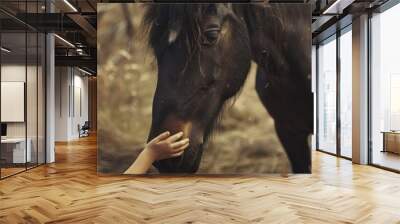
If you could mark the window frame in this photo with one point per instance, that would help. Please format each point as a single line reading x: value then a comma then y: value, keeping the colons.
x: 337, y: 36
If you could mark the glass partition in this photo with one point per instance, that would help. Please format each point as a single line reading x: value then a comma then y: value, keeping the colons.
x: 385, y: 89
x: 327, y: 95
x: 31, y: 100
x: 14, y: 153
x: 346, y: 93
x: 41, y: 91
x: 22, y: 77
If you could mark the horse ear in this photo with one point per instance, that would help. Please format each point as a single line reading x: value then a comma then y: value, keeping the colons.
x: 174, y: 22
x: 173, y: 31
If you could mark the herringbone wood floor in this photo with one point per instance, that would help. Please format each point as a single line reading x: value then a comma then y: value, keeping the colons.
x: 70, y: 191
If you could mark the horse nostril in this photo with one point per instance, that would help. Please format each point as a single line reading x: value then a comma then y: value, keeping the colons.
x: 174, y: 124
x: 196, y: 140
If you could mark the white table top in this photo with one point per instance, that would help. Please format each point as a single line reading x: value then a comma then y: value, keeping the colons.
x: 13, y: 140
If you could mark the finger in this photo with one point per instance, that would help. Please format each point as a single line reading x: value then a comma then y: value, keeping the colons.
x: 175, y: 137
x: 179, y: 143
x: 161, y: 137
x: 176, y: 154
x: 181, y: 148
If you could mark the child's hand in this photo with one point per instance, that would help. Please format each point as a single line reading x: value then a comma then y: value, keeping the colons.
x: 165, y: 146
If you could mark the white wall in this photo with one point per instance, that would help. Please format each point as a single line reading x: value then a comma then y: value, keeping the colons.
x: 71, y: 93
x: 13, y: 101
x: 62, y: 81
x: 15, y: 73
x: 33, y: 127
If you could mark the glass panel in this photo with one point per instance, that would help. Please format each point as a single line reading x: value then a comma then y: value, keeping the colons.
x: 31, y: 100
x: 385, y: 89
x: 327, y: 96
x: 32, y: 90
x: 13, y: 89
x: 23, y: 89
x: 346, y: 94
x: 314, y: 84
x: 41, y: 99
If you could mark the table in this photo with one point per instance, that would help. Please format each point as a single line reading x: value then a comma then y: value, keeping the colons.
x: 391, y: 141
x: 13, y: 150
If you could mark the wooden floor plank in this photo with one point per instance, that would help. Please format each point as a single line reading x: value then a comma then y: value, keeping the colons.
x: 70, y: 191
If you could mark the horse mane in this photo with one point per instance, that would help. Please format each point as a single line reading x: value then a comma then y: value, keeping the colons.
x: 280, y: 18
x: 184, y: 19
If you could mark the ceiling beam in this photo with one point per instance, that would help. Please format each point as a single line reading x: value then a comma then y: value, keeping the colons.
x: 337, y: 7
x: 84, y: 24
x: 49, y: 22
x: 82, y: 61
x: 320, y: 22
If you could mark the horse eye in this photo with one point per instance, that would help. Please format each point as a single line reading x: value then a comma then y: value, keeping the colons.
x: 211, y: 36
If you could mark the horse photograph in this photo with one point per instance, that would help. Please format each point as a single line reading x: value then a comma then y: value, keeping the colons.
x: 204, y: 88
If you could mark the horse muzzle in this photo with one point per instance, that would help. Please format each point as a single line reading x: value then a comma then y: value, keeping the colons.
x: 189, y: 161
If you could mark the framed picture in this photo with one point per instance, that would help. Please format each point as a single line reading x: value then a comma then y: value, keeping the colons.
x: 204, y: 88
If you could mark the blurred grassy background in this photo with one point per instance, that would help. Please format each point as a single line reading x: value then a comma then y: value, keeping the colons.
x: 244, y: 142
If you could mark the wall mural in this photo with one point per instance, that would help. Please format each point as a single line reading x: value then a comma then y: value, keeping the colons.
x: 212, y: 88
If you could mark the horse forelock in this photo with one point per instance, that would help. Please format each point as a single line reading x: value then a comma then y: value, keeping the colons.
x: 166, y: 22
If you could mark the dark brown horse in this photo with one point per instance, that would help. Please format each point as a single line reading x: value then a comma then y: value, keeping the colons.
x: 203, y: 53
